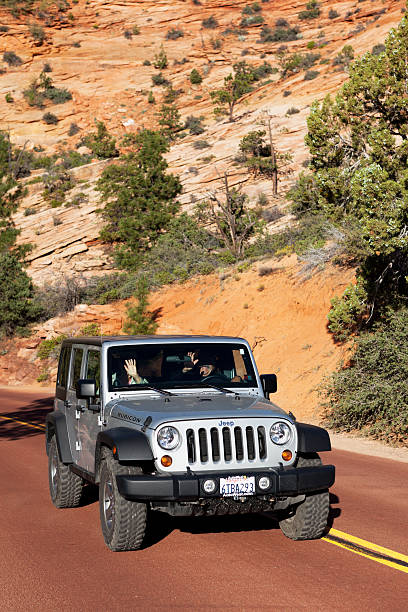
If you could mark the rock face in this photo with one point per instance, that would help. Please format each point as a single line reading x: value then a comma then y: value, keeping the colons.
x: 108, y: 69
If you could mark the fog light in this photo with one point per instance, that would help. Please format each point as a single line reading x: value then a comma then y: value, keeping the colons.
x: 209, y: 486
x: 166, y: 461
x: 264, y: 483
x: 286, y: 455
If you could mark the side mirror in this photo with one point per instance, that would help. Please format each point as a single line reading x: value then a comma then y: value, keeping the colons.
x: 269, y: 384
x: 85, y: 388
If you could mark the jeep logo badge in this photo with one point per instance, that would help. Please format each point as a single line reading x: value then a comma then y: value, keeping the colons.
x: 226, y: 423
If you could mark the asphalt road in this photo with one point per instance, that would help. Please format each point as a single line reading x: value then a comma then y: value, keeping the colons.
x: 57, y: 560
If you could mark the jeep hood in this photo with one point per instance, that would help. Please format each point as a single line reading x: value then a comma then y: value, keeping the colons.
x: 181, y: 408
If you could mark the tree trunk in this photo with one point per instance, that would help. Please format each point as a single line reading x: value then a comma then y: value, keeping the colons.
x: 274, y: 162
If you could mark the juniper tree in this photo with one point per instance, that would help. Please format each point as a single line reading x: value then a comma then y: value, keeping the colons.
x: 235, y: 87
x: 139, y: 196
x: 17, y: 307
x: 358, y: 144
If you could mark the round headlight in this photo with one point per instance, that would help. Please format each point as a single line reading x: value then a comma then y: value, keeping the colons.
x: 168, y: 437
x: 280, y: 433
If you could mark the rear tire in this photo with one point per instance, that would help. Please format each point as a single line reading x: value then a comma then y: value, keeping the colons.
x: 123, y: 522
x: 308, y: 520
x: 65, y: 486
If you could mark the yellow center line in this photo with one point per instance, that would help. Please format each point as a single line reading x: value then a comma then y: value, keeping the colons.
x: 367, y: 549
x: 40, y: 427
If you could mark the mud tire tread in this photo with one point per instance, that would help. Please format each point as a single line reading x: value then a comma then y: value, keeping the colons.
x: 308, y: 520
x: 130, y: 518
x: 68, y: 491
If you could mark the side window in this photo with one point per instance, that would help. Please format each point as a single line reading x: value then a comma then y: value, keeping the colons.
x: 76, y: 367
x: 93, y: 368
x: 63, y: 367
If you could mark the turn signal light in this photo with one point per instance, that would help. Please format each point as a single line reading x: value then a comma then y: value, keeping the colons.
x: 166, y: 461
x: 286, y: 455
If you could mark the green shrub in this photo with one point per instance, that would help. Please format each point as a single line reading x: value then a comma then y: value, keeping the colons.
x: 201, y: 144
x: 279, y: 34
x: 57, y: 95
x: 371, y: 393
x: 312, y: 11
x: 347, y: 312
x: 151, y: 98
x: 50, y: 119
x: 160, y: 59
x: 194, y: 125
x: 38, y: 33
x: 47, y: 67
x: 12, y: 59
x: 73, y: 129
x: 333, y: 14
x: 43, y: 376
x: 50, y: 348
x: 174, y: 34
x: 252, y: 20
x: 195, y: 77
x: 159, y: 79
x: 91, y: 329
x: 311, y: 74
x: 135, y: 30
x: 210, y: 23
x: 9, y: 98
x: 146, y: 62
x: 344, y: 58
x: 292, y: 110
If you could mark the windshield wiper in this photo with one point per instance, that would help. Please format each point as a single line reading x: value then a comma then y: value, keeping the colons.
x: 142, y: 388
x: 222, y: 389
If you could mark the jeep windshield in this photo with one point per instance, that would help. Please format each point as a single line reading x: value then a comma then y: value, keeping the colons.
x: 186, y: 365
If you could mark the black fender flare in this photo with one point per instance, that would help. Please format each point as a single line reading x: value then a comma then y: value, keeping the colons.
x: 312, y: 439
x: 126, y: 445
x: 55, y: 423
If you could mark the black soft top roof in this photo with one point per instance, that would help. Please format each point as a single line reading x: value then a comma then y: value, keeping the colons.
x: 99, y: 340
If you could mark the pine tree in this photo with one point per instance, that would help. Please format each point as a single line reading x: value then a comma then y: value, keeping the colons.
x: 139, y: 196
x: 140, y: 321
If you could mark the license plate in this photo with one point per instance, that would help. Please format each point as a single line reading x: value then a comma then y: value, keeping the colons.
x: 237, y: 485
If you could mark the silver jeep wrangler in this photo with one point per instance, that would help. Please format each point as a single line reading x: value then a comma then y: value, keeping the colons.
x: 184, y: 425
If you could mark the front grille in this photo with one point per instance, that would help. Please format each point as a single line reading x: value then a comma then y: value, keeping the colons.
x: 237, y: 444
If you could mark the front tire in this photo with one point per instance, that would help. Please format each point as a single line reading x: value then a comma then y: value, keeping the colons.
x: 65, y: 486
x: 123, y: 522
x: 308, y: 520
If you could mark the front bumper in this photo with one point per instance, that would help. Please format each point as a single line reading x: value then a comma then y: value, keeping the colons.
x: 189, y: 487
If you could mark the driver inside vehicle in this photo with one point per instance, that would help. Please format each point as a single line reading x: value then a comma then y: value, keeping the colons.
x: 209, y: 372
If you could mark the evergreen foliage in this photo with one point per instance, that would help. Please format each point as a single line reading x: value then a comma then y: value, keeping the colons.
x: 371, y: 393
x: 140, y: 321
x: 17, y: 307
x: 359, y: 156
x: 139, y: 196
x: 195, y: 77
x: 235, y: 87
x: 101, y: 143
